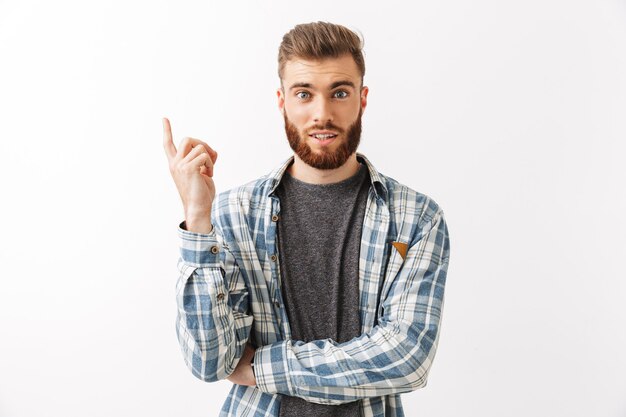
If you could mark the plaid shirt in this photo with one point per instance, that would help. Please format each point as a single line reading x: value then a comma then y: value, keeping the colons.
x: 228, y: 294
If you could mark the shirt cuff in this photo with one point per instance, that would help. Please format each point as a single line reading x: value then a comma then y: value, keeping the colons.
x: 199, y: 249
x: 271, y: 369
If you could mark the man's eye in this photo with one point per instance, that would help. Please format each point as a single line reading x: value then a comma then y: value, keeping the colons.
x: 341, y: 94
x: 302, y: 95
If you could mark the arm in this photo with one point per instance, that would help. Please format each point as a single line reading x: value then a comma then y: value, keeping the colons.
x: 213, y: 321
x: 394, y: 357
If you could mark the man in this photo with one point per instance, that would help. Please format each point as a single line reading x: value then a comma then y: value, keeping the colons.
x: 317, y: 289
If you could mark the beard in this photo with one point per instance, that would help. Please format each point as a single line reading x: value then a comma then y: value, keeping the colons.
x: 325, y: 159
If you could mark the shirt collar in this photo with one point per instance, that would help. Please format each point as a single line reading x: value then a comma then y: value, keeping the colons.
x: 380, y: 189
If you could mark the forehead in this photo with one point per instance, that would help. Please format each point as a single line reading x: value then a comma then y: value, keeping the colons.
x: 321, y: 73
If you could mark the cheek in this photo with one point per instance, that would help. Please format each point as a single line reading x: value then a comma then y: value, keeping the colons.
x: 349, y: 114
x: 297, y: 114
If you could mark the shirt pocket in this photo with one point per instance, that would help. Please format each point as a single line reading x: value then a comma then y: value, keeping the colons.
x: 397, y: 255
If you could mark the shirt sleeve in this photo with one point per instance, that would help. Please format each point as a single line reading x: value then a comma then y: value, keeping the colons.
x: 394, y: 357
x: 213, y: 320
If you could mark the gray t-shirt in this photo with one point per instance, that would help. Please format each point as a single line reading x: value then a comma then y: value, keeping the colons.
x: 319, y: 237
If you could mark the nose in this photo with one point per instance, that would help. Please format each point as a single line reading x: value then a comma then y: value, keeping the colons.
x: 323, y: 111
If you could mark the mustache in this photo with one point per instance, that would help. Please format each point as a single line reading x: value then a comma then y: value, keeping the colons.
x: 326, y: 126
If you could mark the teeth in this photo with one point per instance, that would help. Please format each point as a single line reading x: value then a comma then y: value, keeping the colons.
x: 324, y: 136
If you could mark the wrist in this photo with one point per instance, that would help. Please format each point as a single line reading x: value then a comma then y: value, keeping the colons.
x: 200, y: 228
x: 198, y: 223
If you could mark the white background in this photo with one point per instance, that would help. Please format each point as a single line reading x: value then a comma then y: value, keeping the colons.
x: 511, y: 115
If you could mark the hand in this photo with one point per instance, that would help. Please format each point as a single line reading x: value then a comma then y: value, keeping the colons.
x: 191, y: 167
x: 243, y: 374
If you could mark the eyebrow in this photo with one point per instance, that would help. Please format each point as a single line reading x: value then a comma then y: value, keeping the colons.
x: 332, y: 86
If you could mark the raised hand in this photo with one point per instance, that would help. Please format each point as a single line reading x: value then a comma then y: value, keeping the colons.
x: 191, y: 167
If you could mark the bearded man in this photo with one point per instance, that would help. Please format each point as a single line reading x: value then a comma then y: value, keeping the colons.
x: 316, y: 289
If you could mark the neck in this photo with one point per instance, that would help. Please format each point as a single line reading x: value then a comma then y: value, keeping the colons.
x: 306, y: 173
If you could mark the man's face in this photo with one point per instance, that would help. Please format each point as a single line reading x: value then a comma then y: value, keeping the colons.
x: 322, y: 103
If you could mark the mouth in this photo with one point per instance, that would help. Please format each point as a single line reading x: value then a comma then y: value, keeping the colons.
x: 323, y: 138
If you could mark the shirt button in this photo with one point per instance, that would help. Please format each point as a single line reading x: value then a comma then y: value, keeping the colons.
x: 273, y: 258
x: 277, y: 304
x: 274, y: 218
x: 220, y: 296
x: 214, y: 249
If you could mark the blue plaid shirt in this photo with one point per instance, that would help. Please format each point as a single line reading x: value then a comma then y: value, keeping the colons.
x: 228, y: 294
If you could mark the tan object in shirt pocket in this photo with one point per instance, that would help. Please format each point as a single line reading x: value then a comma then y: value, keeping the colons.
x: 401, y: 248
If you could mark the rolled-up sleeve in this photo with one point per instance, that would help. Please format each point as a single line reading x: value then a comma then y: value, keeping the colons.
x: 213, y: 319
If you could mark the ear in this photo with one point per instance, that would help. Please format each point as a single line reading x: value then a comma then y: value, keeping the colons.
x: 281, y: 99
x: 364, y: 91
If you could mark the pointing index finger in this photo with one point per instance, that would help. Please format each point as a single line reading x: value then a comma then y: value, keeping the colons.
x: 168, y: 142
